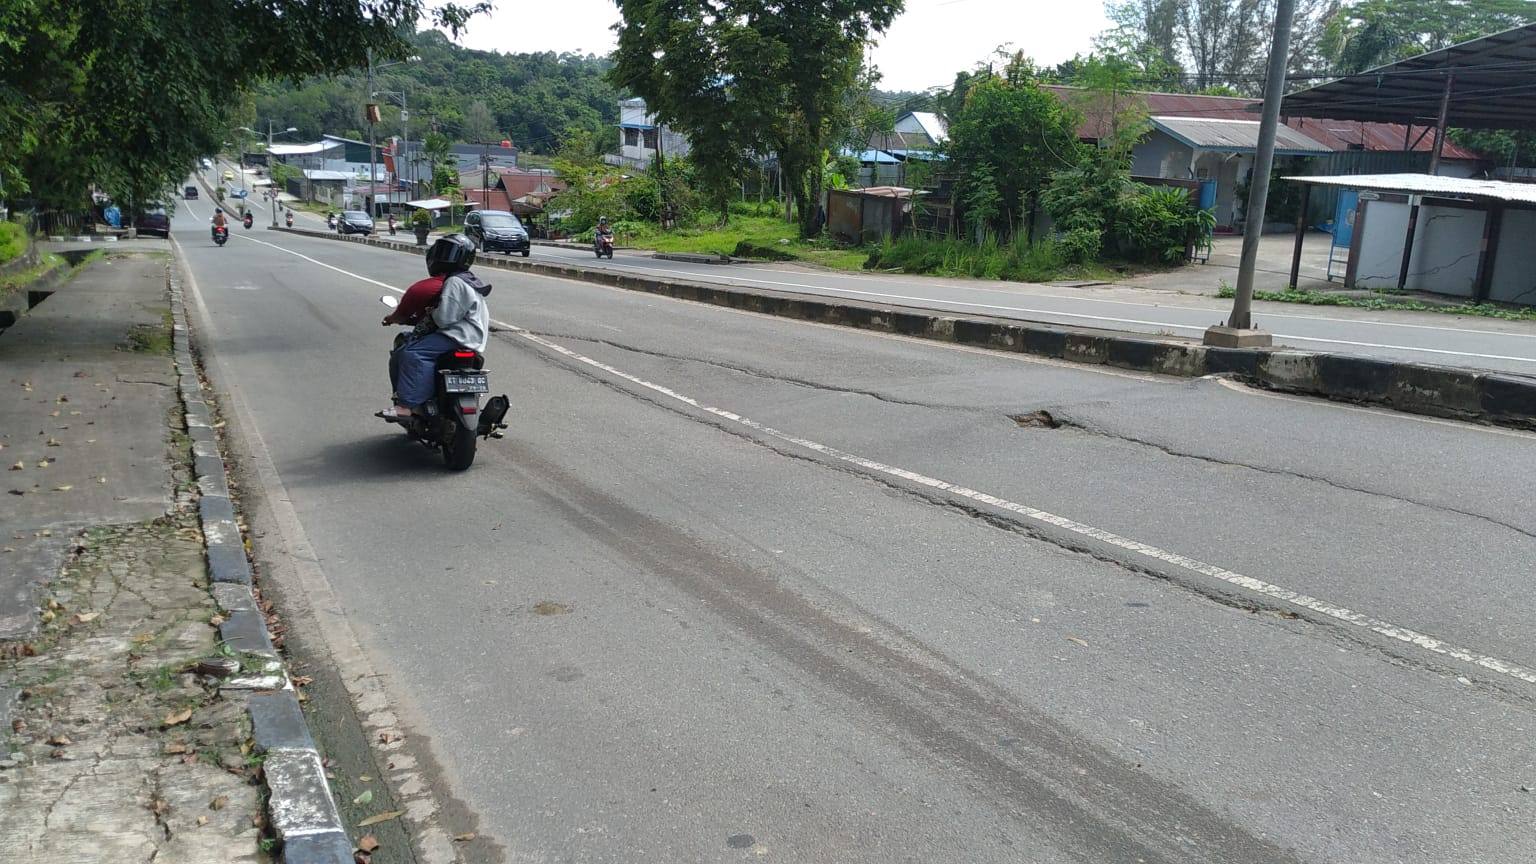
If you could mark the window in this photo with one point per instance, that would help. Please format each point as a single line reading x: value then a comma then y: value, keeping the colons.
x: 631, y: 137
x: 650, y: 139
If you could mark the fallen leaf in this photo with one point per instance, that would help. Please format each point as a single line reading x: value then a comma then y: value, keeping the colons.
x: 218, y: 803
x: 60, y: 740
x: 65, y: 488
x: 53, y: 413
x: 178, y: 717
x: 361, y: 857
x: 305, y: 681
x: 216, y: 620
x: 175, y: 748
x: 382, y: 817
x: 368, y: 843
x: 101, y: 480
x: 201, y: 821
x: 1078, y: 641
x: 54, y: 442
x: 47, y: 616
x: 464, y: 838
x: 364, y: 798
x: 19, y: 466
x: 44, y: 463
x: 160, y: 807
x: 86, y: 617
x: 364, y: 778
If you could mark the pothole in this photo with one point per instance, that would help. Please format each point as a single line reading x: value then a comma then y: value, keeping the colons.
x: 1036, y: 420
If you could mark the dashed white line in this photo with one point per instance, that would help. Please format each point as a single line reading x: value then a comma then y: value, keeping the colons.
x: 1250, y: 584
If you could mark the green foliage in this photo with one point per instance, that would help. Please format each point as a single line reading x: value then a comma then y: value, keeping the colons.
x: 745, y: 76
x: 1004, y: 143
x: 1374, y: 32
x: 1506, y: 147
x: 13, y: 241
x: 1101, y: 212
x: 283, y: 173
x: 420, y: 218
x: 1326, y: 298
x: 126, y: 94
x: 478, y: 96
x: 1017, y: 260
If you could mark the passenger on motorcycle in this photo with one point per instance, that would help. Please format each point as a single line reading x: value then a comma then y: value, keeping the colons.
x: 459, y: 319
x: 219, y: 221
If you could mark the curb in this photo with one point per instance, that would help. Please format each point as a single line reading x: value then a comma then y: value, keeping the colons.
x: 300, y: 806
x: 1497, y: 398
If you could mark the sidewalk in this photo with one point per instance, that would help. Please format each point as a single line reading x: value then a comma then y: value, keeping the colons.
x: 112, y: 746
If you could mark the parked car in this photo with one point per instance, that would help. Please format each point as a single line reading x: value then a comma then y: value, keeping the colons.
x: 497, y: 231
x: 189, y: 193
x: 153, y: 221
x: 354, y: 222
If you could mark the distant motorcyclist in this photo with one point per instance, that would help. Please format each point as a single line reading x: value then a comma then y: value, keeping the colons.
x: 459, y: 319
x: 289, y: 218
x: 219, y: 222
x: 603, y: 228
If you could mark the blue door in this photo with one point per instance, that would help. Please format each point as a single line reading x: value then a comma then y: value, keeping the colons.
x: 1344, y: 217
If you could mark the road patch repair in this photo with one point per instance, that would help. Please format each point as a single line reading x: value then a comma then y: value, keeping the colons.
x: 1496, y: 398
x: 144, y: 710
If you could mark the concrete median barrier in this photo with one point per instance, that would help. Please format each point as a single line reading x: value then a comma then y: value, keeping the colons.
x: 1441, y: 391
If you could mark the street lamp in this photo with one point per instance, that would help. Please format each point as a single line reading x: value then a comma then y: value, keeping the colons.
x: 372, y: 116
x: 405, y: 132
x: 270, y: 134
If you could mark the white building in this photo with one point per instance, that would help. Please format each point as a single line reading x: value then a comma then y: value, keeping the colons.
x: 640, y: 136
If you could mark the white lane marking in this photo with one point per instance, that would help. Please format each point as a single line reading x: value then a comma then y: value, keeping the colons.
x: 1458, y: 425
x: 1193, y: 565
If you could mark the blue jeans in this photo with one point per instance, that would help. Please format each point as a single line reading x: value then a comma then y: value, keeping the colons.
x: 411, y: 368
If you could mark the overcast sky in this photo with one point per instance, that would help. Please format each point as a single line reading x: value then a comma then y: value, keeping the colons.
x: 926, y: 46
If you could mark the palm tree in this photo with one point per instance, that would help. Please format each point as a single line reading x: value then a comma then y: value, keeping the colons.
x: 438, y: 149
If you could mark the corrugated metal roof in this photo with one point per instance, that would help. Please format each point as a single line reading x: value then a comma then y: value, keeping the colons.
x: 1338, y: 135
x: 303, y: 149
x: 316, y: 174
x: 1235, y: 136
x: 1491, y: 78
x: 1431, y: 184
x: 933, y: 125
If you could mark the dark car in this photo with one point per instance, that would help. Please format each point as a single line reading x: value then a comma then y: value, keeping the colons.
x: 189, y: 193
x: 354, y: 222
x: 497, y: 231
x: 153, y: 221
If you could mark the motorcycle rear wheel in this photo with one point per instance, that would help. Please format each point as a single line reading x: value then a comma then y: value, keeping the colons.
x: 459, y: 449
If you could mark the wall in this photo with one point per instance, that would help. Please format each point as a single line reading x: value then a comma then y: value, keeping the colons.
x: 1445, y: 248
x: 1514, y: 271
x: 1159, y: 155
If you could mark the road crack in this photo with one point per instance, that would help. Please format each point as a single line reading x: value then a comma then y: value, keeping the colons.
x: 1287, y: 472
x: 757, y: 373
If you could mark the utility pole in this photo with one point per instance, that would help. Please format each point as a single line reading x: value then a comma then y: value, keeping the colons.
x: 1239, y: 331
x: 485, y: 178
x: 372, y: 112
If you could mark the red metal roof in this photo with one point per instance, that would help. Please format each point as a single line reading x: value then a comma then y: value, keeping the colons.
x: 1336, y: 134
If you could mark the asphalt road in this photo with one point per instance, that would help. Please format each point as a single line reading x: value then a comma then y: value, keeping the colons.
x: 882, y: 620
x: 1423, y: 337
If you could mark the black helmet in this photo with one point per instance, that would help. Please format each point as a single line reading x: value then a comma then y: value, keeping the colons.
x: 450, y: 254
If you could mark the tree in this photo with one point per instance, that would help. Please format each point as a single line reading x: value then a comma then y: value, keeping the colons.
x: 743, y: 76
x: 1108, y: 99
x: 1376, y: 32
x: 439, y: 151
x: 478, y: 124
x: 1005, y: 143
x: 131, y: 92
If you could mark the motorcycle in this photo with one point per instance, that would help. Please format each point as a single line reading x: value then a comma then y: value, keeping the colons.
x: 602, y: 244
x: 391, y: 224
x: 454, y: 420
x: 248, y: 221
x: 290, y: 218
x: 330, y: 221
x: 220, y: 234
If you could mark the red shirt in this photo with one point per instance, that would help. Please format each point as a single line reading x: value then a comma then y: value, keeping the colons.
x: 417, y: 300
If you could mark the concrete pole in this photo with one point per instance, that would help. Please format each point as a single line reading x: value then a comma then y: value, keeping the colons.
x: 1445, y: 110
x: 373, y: 153
x: 1233, y: 334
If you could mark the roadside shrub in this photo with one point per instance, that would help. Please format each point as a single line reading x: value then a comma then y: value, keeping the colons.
x: 1018, y: 260
x: 1080, y: 246
x: 13, y: 241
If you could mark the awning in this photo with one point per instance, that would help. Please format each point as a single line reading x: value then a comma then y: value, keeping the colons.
x: 1235, y: 136
x: 302, y: 149
x: 873, y: 157
x: 430, y: 204
x: 1492, y: 87
x: 1431, y: 184
x: 317, y: 174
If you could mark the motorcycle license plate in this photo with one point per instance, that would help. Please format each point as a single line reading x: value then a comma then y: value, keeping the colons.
x: 466, y: 382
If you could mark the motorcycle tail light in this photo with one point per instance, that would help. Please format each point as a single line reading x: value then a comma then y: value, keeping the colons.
x: 464, y: 355
x: 468, y: 409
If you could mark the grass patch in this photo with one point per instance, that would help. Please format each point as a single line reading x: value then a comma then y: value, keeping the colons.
x: 1018, y: 260
x: 13, y: 241
x: 152, y: 338
x: 762, y: 237
x: 1324, y: 298
x: 19, y: 281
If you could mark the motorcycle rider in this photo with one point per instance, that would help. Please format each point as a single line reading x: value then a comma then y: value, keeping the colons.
x: 219, y: 222
x: 289, y: 217
x: 460, y: 319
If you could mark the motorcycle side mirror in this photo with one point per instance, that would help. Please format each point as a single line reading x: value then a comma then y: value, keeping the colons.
x: 390, y: 300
